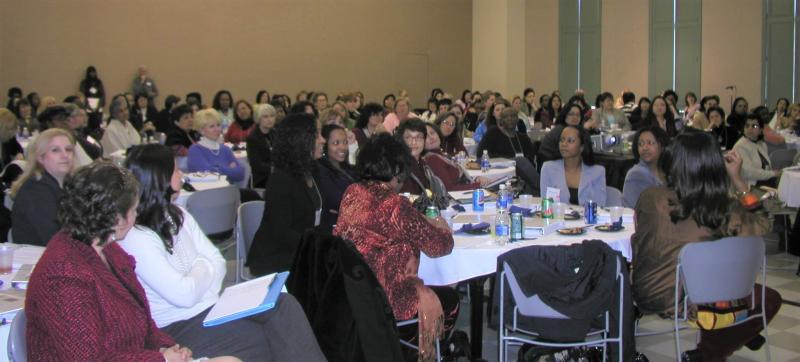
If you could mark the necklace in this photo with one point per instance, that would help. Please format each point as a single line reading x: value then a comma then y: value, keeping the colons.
x: 518, y: 144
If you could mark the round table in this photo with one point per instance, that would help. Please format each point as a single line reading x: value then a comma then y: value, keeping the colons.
x: 501, y: 170
x: 789, y: 186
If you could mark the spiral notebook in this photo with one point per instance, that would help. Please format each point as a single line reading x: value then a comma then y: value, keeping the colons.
x: 246, y: 299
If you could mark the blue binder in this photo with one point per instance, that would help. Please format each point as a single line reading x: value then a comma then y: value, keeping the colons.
x: 269, y: 302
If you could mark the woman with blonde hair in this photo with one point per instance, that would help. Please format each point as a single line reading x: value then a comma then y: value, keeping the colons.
x: 208, y: 154
x: 789, y: 121
x: 10, y: 149
x: 50, y: 158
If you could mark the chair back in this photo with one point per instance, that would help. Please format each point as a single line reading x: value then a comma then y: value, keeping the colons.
x: 532, y: 306
x: 214, y: 209
x: 613, y: 196
x: 247, y: 222
x: 724, y: 269
x: 17, y: 345
x: 782, y: 158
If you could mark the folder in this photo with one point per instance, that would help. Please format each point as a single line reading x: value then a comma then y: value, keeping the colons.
x: 246, y: 299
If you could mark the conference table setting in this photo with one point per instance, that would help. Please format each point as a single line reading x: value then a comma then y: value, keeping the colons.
x: 14, y: 281
x: 475, y: 251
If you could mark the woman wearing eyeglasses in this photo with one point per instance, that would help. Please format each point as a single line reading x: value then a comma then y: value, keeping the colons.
x: 756, y: 167
x: 452, y: 142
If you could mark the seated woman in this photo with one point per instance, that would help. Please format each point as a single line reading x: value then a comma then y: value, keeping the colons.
x: 550, y: 109
x: 451, y: 141
x: 182, y: 273
x: 87, y: 149
x: 789, y: 120
x: 781, y: 111
x: 402, y: 112
x: 695, y: 206
x: 181, y: 136
x: 572, y: 115
x: 452, y: 175
x: 726, y: 135
x: 575, y: 174
x: 606, y: 116
x: 36, y: 193
x: 334, y: 174
x: 390, y: 233
x: 368, y: 123
x: 242, y: 123
x: 661, y: 116
x: 294, y: 202
x: 504, y: 141
x: 647, y: 146
x: 119, y: 134
x: 208, y: 154
x: 84, y: 285
x: 413, y: 134
x: 492, y: 117
x: 756, y: 166
x: 143, y: 114
x: 10, y: 149
x: 259, y: 144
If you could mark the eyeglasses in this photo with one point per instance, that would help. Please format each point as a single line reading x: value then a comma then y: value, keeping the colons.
x: 448, y: 123
x: 413, y: 139
x: 752, y: 125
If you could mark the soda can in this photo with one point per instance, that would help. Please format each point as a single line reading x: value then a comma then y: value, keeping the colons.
x: 432, y: 212
x: 590, y: 212
x: 477, y: 200
x: 516, y: 226
x: 547, y: 208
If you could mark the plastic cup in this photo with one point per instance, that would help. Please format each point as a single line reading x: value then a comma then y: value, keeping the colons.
x: 616, y: 214
x: 526, y: 201
x: 6, y: 259
x: 559, y: 209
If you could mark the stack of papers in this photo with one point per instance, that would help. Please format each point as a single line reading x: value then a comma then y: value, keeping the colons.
x: 603, y: 216
x: 246, y: 299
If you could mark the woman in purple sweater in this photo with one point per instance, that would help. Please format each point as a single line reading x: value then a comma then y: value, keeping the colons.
x: 209, y: 154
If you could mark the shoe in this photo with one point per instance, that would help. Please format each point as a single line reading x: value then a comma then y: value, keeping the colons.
x: 755, y: 343
x: 692, y: 356
x: 640, y: 357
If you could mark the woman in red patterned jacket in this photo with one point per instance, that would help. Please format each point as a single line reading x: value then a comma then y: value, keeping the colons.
x: 390, y: 233
x: 84, y: 302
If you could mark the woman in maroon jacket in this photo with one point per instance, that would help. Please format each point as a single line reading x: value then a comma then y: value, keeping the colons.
x: 84, y: 302
x: 452, y: 175
x: 390, y: 233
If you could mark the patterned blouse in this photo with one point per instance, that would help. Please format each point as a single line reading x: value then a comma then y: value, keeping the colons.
x: 389, y: 232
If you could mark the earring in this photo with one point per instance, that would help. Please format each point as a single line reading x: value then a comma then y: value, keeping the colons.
x: 113, y: 237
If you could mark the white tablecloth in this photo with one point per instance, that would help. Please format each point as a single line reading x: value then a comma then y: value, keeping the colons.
x: 25, y: 254
x: 476, y: 255
x: 792, y: 141
x: 496, y: 172
x: 789, y: 186
x: 199, y: 186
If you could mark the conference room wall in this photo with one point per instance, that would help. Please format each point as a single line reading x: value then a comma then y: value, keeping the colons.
x: 377, y: 46
x: 732, y: 46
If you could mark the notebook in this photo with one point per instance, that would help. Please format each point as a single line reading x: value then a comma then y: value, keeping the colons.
x: 246, y: 299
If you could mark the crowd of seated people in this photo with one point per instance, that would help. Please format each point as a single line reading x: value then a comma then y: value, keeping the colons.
x: 329, y: 164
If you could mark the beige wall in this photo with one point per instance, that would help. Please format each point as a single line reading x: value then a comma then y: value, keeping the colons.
x: 377, y: 46
x: 489, y: 44
x: 732, y: 38
x: 625, y: 38
x: 541, y: 54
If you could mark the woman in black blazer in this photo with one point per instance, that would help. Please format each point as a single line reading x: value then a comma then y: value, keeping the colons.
x: 293, y: 200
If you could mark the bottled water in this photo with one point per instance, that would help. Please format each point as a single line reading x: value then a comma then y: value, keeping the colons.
x: 485, y: 162
x: 502, y: 197
x: 502, y: 229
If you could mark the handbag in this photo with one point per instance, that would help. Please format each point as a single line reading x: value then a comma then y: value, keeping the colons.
x: 719, y: 315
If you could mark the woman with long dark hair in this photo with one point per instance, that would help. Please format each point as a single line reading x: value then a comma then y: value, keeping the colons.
x: 293, y: 197
x: 639, y: 114
x: 648, y: 143
x: 572, y: 115
x: 696, y: 205
x: 92, y: 88
x: 451, y: 142
x: 242, y: 123
x: 452, y: 175
x: 182, y: 273
x: 661, y: 116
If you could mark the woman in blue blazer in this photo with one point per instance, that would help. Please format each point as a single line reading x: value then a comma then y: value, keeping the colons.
x: 575, y: 174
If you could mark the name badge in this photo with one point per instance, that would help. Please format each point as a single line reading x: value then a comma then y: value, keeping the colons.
x: 553, y: 193
x: 519, y: 155
x: 317, y: 217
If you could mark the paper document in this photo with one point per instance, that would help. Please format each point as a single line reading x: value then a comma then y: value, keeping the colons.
x: 246, y: 299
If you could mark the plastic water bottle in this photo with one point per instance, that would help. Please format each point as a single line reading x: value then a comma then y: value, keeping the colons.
x: 485, y: 162
x: 502, y: 198
x: 502, y: 229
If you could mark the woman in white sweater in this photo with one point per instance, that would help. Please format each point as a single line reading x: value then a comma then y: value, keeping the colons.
x: 182, y: 273
x: 756, y: 166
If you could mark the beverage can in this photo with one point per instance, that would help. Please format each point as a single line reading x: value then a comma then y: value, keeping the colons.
x: 477, y: 200
x: 547, y: 208
x: 516, y: 226
x: 432, y: 212
x: 590, y: 212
